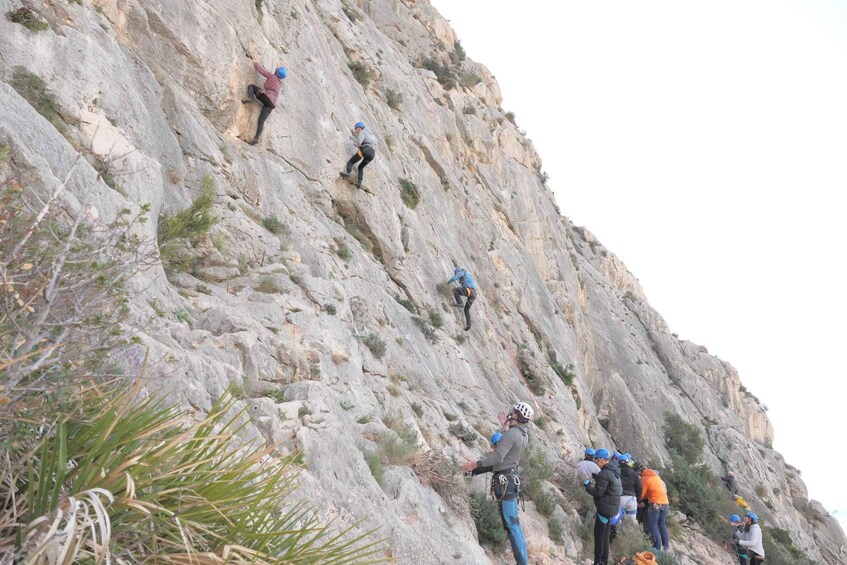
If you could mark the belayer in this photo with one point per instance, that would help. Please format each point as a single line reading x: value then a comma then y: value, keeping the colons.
x: 505, y: 483
x: 654, y: 493
x: 737, y: 530
x: 586, y: 468
x: 366, y: 151
x: 750, y: 538
x: 606, y: 491
x: 631, y: 486
x: 466, y: 289
x: 267, y: 95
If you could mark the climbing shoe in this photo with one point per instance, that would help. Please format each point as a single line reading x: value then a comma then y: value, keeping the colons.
x: 458, y: 304
x: 345, y: 175
x: 246, y: 101
x: 254, y: 141
x: 468, y: 327
x: 359, y: 184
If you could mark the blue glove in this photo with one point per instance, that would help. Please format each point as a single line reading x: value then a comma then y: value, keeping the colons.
x: 587, y: 482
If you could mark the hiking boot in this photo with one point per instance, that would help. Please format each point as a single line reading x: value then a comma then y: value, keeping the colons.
x: 345, y: 175
x: 254, y: 141
x: 359, y: 184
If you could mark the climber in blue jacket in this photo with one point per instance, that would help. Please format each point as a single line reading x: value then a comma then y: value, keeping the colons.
x: 467, y: 289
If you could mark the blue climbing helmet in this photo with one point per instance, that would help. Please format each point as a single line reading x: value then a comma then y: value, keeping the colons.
x: 458, y: 270
x: 735, y: 518
x: 359, y: 125
x: 618, y: 455
x: 626, y: 457
x: 281, y: 73
x: 589, y: 451
x: 752, y: 516
x: 496, y: 437
x: 602, y: 453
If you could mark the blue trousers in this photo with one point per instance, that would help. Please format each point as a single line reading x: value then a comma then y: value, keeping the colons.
x: 657, y: 521
x: 509, y: 514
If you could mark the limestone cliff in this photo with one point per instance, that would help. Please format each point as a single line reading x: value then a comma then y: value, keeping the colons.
x: 148, y: 92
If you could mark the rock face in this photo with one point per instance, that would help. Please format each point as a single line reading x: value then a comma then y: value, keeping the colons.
x: 149, y: 93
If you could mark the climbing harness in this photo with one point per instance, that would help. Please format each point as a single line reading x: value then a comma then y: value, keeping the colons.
x: 501, y: 483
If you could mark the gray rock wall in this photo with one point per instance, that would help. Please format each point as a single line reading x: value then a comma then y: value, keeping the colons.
x: 150, y: 91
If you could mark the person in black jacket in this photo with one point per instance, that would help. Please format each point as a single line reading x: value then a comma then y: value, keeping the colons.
x: 631, y: 487
x: 607, y: 499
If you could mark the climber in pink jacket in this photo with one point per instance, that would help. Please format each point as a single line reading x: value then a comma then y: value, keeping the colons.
x: 267, y: 95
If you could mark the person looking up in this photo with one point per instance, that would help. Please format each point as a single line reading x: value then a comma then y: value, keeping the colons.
x: 504, y: 461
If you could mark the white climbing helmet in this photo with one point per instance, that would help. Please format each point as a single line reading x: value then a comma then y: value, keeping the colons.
x: 524, y: 409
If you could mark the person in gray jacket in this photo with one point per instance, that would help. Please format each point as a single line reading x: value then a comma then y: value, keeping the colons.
x: 366, y: 144
x: 504, y: 461
x: 751, y: 539
x: 586, y: 468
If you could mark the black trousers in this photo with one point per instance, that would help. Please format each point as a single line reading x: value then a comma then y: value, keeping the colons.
x: 366, y: 154
x: 601, y: 541
x: 468, y: 293
x: 267, y: 107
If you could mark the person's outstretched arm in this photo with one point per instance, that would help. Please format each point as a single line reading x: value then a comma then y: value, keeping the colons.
x: 482, y: 470
x: 262, y: 70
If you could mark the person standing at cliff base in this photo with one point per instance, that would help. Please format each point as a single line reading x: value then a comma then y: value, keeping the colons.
x: 586, y: 468
x: 505, y: 483
x: 267, y: 95
x: 631, y: 485
x: 737, y: 530
x: 366, y: 144
x: 654, y: 494
x: 466, y: 289
x: 606, y: 491
x: 751, y: 539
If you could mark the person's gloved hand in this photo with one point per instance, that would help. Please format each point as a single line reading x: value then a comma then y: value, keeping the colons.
x: 587, y: 482
x: 594, y: 475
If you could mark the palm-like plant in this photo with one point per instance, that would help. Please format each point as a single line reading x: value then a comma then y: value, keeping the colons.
x: 116, y: 478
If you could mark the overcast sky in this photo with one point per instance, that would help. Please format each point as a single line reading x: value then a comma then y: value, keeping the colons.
x: 706, y: 145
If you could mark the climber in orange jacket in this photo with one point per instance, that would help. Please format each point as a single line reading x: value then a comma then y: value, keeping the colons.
x: 654, y: 493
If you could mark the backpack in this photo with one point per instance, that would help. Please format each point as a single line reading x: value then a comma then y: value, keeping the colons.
x: 644, y: 558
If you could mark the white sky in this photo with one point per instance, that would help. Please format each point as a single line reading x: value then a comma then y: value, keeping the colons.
x: 706, y: 145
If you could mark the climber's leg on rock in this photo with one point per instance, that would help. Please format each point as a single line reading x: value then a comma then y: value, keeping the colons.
x: 471, y: 294
x: 368, y: 155
x: 457, y: 297
x: 353, y: 160
x: 267, y: 108
x: 251, y: 94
